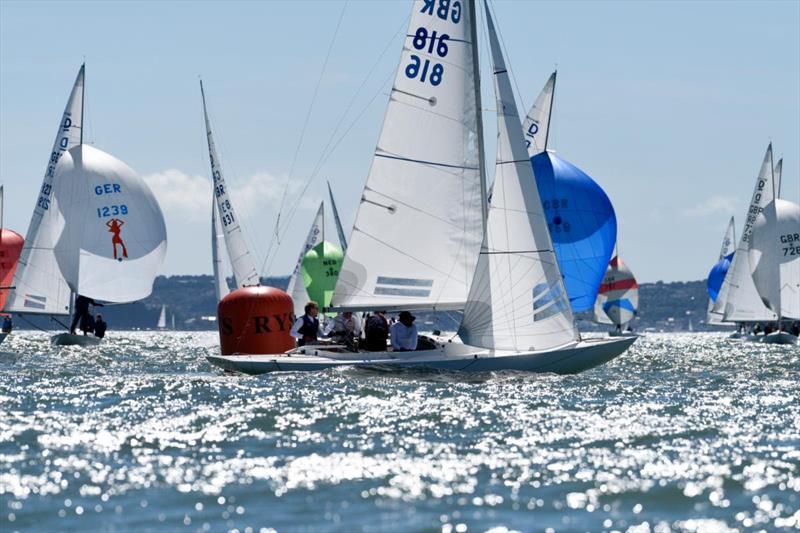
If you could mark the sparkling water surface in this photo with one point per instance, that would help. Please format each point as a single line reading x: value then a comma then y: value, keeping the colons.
x: 684, y: 432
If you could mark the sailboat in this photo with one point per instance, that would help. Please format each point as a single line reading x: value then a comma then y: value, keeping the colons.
x: 775, y: 263
x: 96, y: 230
x: 618, y: 299
x: 580, y: 217
x: 718, y: 272
x: 162, y: 318
x: 738, y: 299
x: 225, y: 226
x: 408, y: 252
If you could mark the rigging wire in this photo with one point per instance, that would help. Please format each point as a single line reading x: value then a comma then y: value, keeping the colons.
x: 307, y: 120
x: 330, y: 148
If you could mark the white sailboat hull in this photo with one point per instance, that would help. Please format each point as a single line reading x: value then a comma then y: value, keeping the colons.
x: 68, y: 339
x: 458, y: 357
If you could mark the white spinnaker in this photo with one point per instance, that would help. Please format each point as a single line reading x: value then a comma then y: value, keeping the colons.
x: 777, y: 176
x: 728, y: 247
x: 242, y: 263
x: 418, y: 229
x: 517, y: 300
x: 221, y: 289
x: 297, y: 288
x: 537, y: 123
x: 162, y: 318
x: 39, y: 285
x: 738, y: 299
x: 775, y: 257
x: 114, y: 239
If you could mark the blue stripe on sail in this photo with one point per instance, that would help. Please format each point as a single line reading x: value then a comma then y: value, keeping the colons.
x: 394, y: 291
x: 624, y: 303
x: 405, y: 281
x: 717, y: 275
x: 35, y: 302
x: 582, y: 225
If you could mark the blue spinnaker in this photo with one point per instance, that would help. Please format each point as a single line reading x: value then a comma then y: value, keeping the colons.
x: 582, y: 224
x: 717, y: 276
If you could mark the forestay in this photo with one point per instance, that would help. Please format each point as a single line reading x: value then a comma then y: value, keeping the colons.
x: 242, y: 263
x: 114, y: 239
x: 418, y: 229
x: 718, y: 272
x: 537, y: 123
x: 775, y: 257
x: 517, y: 300
x: 738, y: 298
x: 40, y: 286
x: 297, y: 287
x: 217, y: 253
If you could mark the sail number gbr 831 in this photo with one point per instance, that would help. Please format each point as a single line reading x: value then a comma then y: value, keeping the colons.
x: 426, y: 41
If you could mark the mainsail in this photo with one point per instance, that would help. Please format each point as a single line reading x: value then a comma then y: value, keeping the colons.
x: 718, y: 272
x: 40, y: 286
x: 775, y: 257
x: 618, y: 298
x: 217, y: 253
x: 297, y: 287
x: 418, y: 229
x: 537, y: 123
x: 114, y: 239
x: 517, y: 300
x: 337, y: 221
x: 244, y: 268
x: 738, y: 298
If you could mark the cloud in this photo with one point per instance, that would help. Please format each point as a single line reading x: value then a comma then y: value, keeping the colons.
x: 180, y: 194
x: 716, y: 205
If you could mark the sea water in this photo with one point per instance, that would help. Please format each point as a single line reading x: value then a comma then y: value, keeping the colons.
x: 684, y: 432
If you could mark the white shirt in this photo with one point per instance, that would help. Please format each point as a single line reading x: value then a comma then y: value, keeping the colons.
x: 340, y: 325
x: 295, y: 332
x: 404, y: 337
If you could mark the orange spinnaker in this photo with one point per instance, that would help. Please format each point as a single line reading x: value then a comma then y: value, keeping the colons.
x: 10, y: 247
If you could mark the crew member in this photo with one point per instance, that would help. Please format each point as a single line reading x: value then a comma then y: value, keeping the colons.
x: 8, y: 325
x: 100, y: 326
x: 306, y: 329
x: 377, y: 332
x: 404, y: 333
x: 344, y: 329
x: 82, y: 304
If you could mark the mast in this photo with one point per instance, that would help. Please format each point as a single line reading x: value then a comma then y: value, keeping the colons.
x: 550, y: 112
x: 83, y: 93
x: 779, y: 309
x: 473, y: 32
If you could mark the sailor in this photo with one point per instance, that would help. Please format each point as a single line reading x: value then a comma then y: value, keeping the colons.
x: 344, y: 329
x: 377, y: 332
x: 306, y: 329
x: 8, y: 325
x: 404, y: 333
x: 100, y: 326
x: 82, y: 304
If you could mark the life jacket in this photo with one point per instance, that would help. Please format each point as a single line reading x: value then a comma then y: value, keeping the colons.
x: 309, y: 329
x: 377, y: 332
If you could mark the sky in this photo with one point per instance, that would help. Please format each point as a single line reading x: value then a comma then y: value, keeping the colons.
x: 668, y: 105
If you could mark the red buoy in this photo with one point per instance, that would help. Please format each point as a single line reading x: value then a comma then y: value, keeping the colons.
x: 10, y: 247
x: 255, y: 320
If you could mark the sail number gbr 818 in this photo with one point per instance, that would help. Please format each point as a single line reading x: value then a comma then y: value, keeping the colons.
x: 426, y: 41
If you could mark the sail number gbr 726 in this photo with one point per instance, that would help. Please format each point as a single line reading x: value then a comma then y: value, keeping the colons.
x: 425, y: 70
